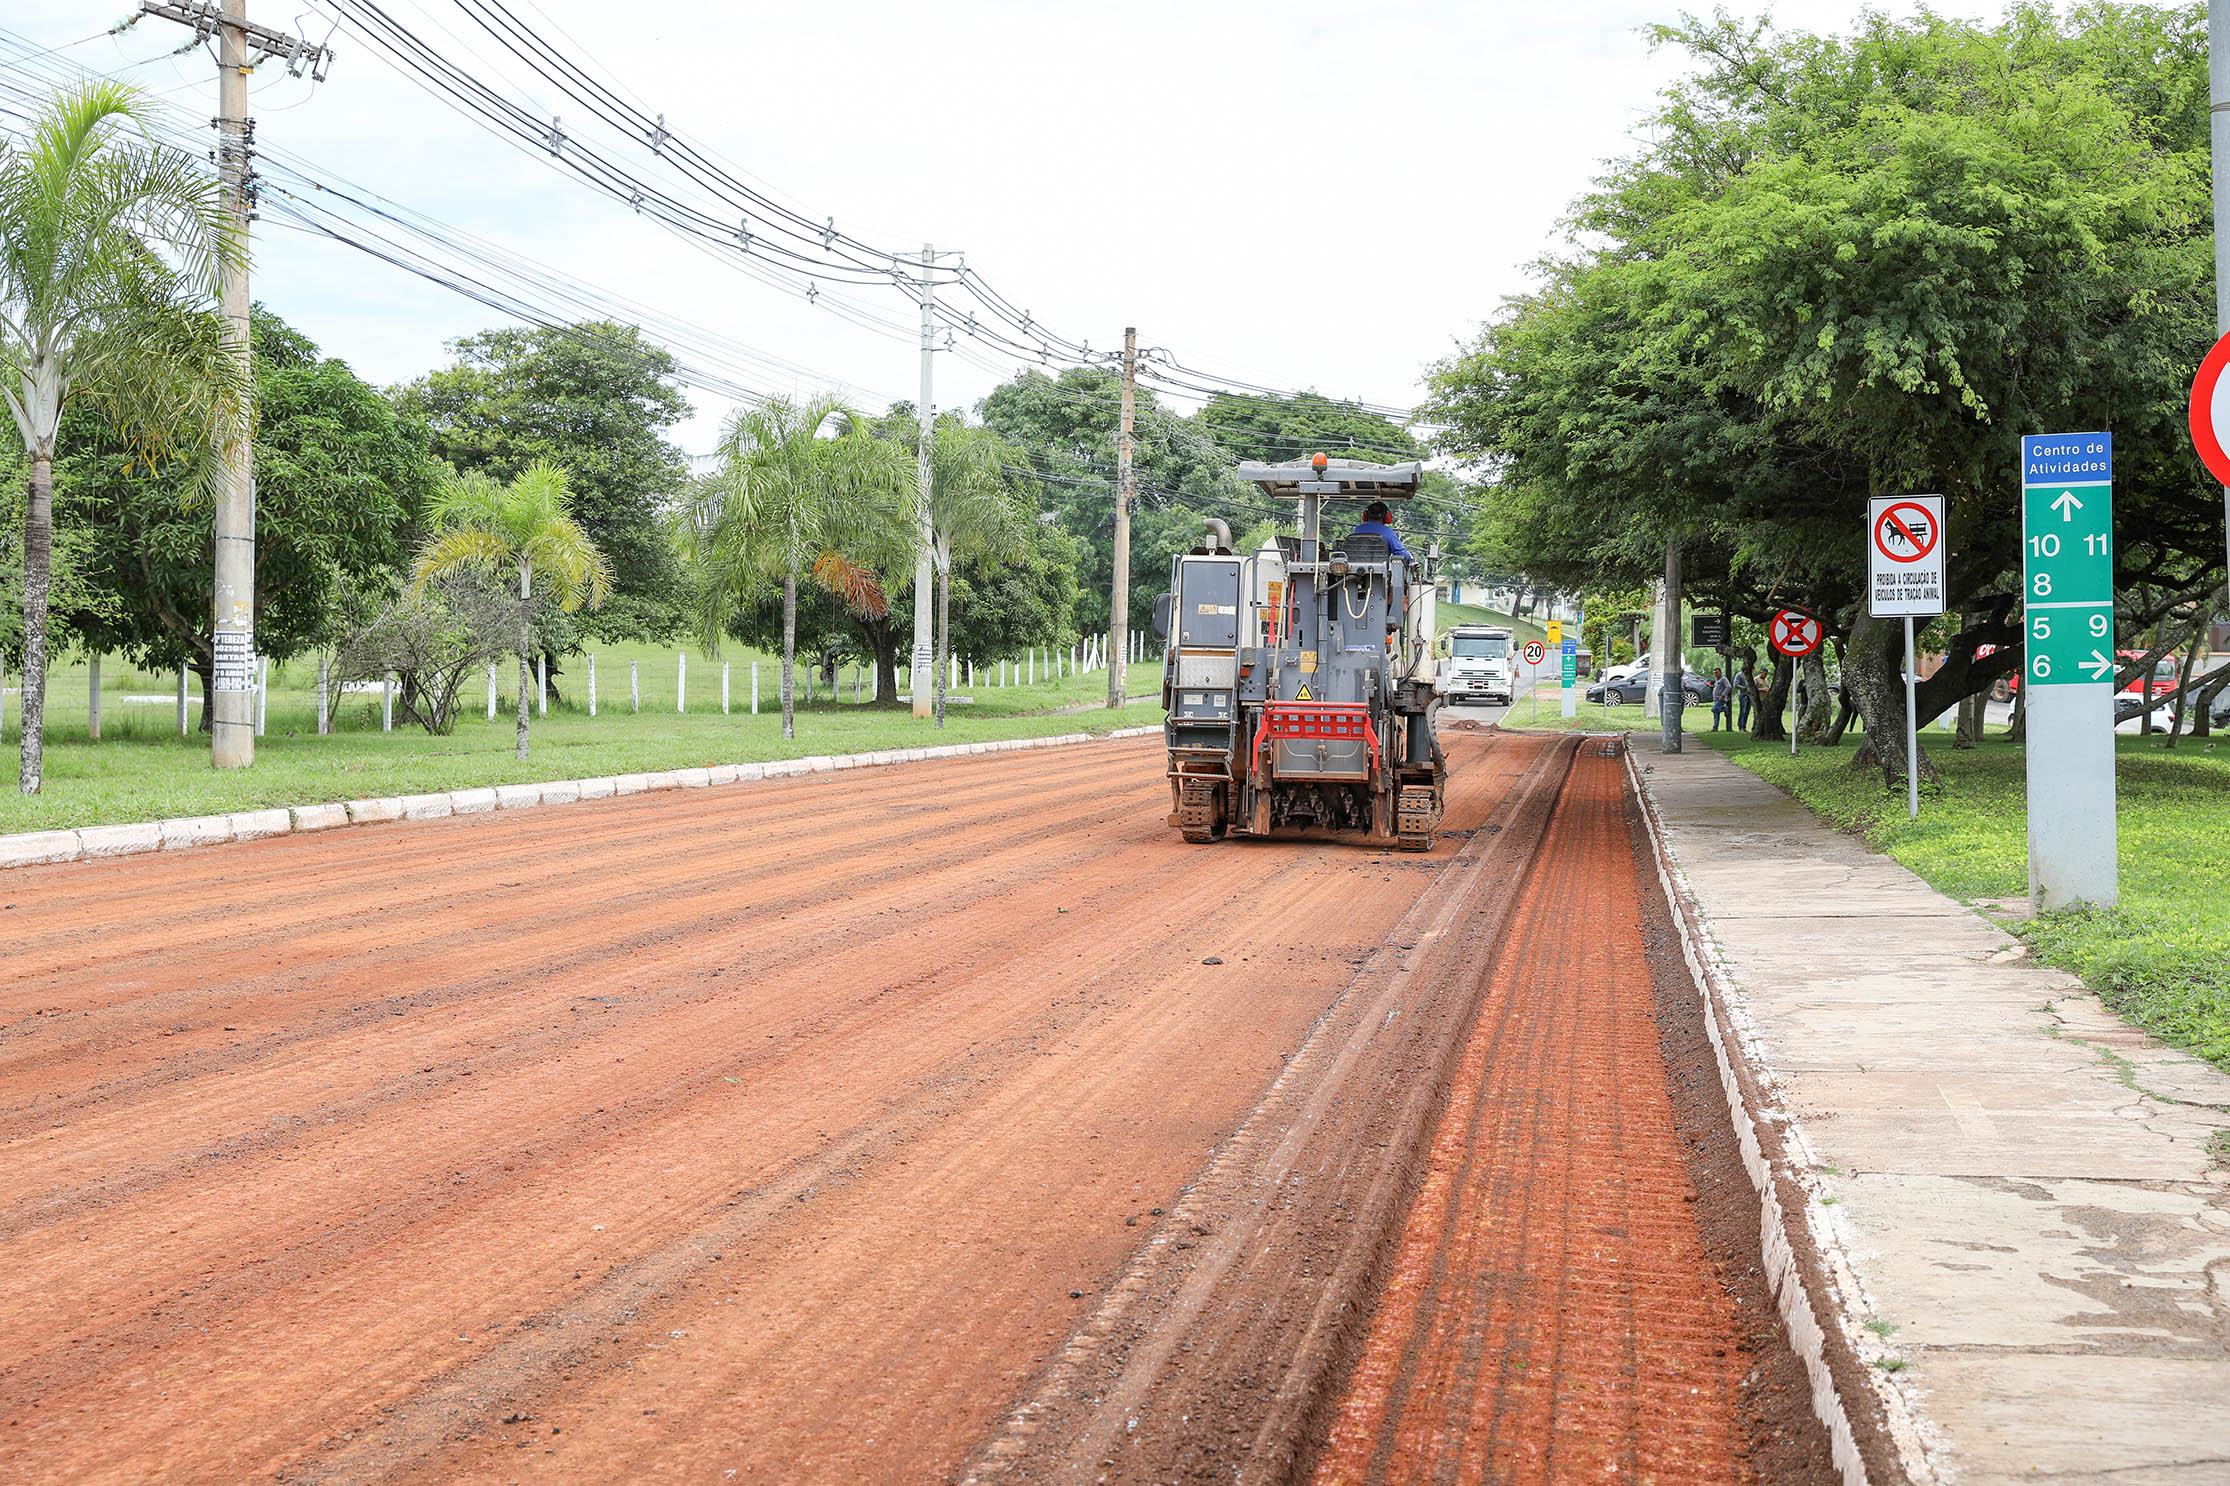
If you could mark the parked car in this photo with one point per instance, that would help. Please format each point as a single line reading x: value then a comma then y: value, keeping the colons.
x: 1632, y: 689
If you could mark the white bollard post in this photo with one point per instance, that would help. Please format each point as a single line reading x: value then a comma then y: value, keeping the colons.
x: 724, y: 688
x: 809, y: 670
x: 324, y: 695
x: 754, y: 688
x: 491, y: 691
x: 592, y: 683
x: 859, y: 684
x: 971, y: 675
x: 541, y: 685
x: 93, y: 698
x: 634, y: 687
x: 874, y: 681
x: 681, y: 682
x: 263, y: 690
x: 387, y: 703
x: 181, y: 701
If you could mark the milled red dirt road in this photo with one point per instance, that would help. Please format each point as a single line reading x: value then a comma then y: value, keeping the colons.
x: 786, y: 1130
x: 1551, y: 1315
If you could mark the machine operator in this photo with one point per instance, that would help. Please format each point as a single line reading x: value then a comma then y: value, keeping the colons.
x: 1376, y: 523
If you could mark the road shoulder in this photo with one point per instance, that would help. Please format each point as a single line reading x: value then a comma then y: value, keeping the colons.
x: 2016, y: 1186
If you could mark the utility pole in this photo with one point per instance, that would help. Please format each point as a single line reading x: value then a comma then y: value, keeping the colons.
x: 1126, y: 490
x: 241, y: 47
x: 925, y: 641
x: 1670, y: 662
x: 2218, y: 93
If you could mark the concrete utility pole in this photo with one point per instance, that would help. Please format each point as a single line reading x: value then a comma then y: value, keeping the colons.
x: 1670, y: 696
x: 1126, y: 490
x: 241, y: 47
x: 2218, y: 94
x: 925, y: 642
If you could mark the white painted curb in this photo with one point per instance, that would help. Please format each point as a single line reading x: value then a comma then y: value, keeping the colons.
x: 1806, y: 1295
x: 36, y: 848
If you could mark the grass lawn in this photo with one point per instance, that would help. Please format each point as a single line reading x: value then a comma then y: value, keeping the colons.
x: 1448, y: 616
x: 143, y: 770
x: 2162, y: 958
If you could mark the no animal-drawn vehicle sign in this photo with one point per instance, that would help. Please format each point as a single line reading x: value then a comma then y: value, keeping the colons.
x: 1905, y: 556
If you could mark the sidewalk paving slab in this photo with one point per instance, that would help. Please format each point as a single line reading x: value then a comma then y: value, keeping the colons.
x: 2018, y: 1181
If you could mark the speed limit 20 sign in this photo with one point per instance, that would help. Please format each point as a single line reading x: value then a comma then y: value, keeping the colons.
x: 2067, y: 557
x: 1535, y: 652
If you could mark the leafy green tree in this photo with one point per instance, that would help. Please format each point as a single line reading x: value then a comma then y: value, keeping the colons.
x: 807, y: 489
x: 342, y: 480
x: 526, y: 525
x: 1863, y: 265
x: 974, y: 512
x: 1004, y: 605
x: 1066, y: 429
x: 595, y: 398
x: 111, y: 255
x: 1275, y: 430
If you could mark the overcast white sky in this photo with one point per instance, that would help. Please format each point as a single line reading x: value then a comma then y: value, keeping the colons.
x: 1300, y: 193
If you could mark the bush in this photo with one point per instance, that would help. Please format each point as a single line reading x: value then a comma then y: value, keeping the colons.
x: 431, y: 641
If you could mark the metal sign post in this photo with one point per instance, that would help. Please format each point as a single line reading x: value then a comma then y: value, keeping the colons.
x: 2067, y: 588
x: 1795, y: 636
x: 1905, y: 578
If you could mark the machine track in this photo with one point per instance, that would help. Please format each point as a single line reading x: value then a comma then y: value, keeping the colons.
x: 1200, y: 810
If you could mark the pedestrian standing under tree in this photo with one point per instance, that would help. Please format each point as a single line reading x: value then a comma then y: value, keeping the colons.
x: 1722, y: 694
x: 1745, y: 693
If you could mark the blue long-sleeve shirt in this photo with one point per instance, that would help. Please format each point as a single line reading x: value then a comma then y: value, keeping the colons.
x: 1381, y: 529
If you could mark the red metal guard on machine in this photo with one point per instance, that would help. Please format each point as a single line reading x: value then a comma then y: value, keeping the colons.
x: 1341, y: 722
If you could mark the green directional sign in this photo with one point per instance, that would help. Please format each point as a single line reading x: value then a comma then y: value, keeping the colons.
x: 2067, y: 554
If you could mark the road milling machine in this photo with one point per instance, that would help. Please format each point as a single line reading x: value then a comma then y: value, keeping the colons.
x: 1299, y: 678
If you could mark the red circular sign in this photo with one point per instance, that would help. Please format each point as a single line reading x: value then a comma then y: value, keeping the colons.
x: 1794, y: 634
x: 1907, y: 532
x: 1535, y: 652
x: 2205, y: 436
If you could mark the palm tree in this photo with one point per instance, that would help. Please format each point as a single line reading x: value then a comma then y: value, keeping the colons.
x: 112, y: 252
x: 974, y: 511
x: 529, y: 525
x: 793, y: 500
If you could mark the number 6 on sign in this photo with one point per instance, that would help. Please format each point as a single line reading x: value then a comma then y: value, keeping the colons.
x: 2041, y: 667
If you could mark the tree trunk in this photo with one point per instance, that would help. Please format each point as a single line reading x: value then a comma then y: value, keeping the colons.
x: 2183, y: 682
x: 1813, y: 726
x: 886, y: 673
x: 2019, y: 732
x: 1970, y: 706
x: 1767, y: 727
x: 2203, y: 702
x: 789, y: 651
x: 526, y: 644
x: 38, y: 582
x: 1877, y: 686
x: 1670, y: 696
x: 1846, y: 712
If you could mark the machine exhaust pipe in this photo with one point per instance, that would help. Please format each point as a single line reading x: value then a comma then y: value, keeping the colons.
x: 1219, y: 533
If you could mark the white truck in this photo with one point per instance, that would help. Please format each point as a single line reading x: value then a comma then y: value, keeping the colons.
x: 1479, y: 666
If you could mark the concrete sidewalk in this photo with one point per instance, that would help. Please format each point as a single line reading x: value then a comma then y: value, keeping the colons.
x: 2037, y: 1240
